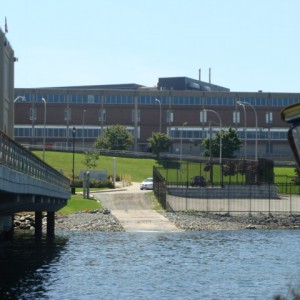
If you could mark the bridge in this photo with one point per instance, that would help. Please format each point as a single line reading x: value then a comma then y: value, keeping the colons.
x: 28, y: 184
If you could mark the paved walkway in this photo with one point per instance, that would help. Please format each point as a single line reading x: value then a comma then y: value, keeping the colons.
x: 132, y: 207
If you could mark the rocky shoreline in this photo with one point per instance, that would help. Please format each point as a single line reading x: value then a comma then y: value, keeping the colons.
x: 103, y: 220
x: 204, y: 221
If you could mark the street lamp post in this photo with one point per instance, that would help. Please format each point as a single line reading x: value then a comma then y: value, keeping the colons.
x: 245, y: 130
x: 73, y: 168
x: 83, y: 121
x: 220, y: 152
x: 185, y: 123
x: 246, y: 103
x: 44, y: 130
x: 19, y: 97
x: 15, y: 100
x: 159, y: 101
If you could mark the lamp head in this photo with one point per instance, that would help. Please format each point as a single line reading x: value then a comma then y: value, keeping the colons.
x: 74, y: 131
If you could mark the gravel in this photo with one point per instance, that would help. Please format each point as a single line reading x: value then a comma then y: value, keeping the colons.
x: 104, y: 221
x: 204, y: 221
x: 100, y: 220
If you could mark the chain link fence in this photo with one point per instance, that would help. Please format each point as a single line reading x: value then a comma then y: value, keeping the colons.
x: 235, y: 187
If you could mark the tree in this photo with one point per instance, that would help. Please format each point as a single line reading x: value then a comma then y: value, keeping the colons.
x: 115, y: 137
x: 159, y: 142
x: 230, y: 143
x: 90, y: 160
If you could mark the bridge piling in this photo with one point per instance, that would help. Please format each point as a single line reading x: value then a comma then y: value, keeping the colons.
x: 50, y: 224
x: 38, y: 224
x: 6, y: 227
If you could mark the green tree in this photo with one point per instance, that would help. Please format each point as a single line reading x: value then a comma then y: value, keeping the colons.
x: 159, y: 142
x: 115, y: 137
x: 90, y: 160
x: 230, y: 143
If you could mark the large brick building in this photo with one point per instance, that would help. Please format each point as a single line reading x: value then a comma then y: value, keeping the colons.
x: 174, y: 107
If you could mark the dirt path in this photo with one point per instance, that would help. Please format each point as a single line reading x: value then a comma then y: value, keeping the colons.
x: 132, y: 207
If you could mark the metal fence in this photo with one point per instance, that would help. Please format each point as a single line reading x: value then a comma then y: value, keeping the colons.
x: 232, y: 193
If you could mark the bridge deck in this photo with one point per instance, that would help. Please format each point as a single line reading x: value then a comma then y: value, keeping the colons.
x: 27, y: 183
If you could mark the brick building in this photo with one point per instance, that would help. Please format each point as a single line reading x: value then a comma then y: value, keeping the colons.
x: 174, y: 107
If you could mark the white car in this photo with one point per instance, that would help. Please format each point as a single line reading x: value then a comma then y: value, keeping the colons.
x: 147, y: 184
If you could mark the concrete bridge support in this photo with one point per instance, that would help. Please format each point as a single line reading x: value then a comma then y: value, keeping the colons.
x: 6, y: 227
x: 38, y: 224
x: 50, y: 224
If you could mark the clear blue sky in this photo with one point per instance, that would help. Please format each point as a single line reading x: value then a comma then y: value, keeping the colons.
x: 250, y: 45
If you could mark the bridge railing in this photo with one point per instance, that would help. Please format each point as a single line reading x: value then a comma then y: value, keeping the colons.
x: 18, y: 158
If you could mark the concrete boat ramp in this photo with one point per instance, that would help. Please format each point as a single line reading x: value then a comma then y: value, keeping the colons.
x: 143, y: 220
x: 132, y: 207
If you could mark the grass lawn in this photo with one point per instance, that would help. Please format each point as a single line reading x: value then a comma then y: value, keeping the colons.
x: 137, y: 168
x: 77, y: 203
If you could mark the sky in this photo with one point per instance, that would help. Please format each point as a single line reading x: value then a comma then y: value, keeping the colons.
x: 249, y: 45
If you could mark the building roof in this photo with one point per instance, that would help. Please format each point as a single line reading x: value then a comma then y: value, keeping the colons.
x: 186, y: 83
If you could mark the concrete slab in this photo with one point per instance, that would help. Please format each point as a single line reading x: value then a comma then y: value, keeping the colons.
x: 143, y: 220
x: 133, y: 208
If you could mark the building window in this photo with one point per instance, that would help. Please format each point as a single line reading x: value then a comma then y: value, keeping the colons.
x: 147, y: 99
x: 91, y: 99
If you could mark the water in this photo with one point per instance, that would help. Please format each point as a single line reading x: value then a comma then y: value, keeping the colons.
x: 141, y: 265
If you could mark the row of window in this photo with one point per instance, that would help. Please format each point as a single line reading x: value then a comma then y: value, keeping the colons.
x: 250, y: 134
x: 163, y: 100
x: 174, y: 133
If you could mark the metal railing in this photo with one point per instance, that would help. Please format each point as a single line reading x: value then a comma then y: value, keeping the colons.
x: 237, y: 195
x: 18, y: 158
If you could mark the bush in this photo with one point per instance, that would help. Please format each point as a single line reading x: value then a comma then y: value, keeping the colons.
x: 94, y: 183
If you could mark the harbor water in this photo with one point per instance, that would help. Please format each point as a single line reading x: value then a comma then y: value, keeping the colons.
x: 246, y: 264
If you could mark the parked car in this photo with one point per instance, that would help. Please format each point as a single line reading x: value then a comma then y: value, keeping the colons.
x: 147, y: 184
x: 198, y: 181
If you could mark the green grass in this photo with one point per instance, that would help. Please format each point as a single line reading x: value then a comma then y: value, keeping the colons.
x: 137, y: 168
x: 77, y: 203
x: 140, y: 168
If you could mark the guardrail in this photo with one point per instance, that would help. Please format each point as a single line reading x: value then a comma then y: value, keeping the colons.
x: 18, y: 158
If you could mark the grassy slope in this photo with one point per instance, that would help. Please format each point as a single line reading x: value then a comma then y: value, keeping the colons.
x: 136, y: 169
x: 77, y: 203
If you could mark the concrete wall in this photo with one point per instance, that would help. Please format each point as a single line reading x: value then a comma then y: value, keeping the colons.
x: 233, y: 199
x: 228, y: 191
